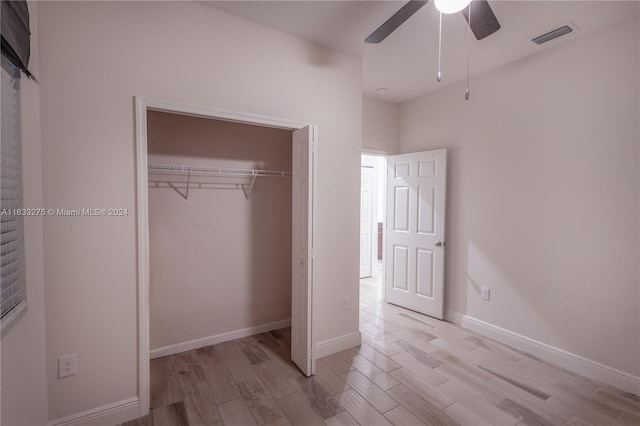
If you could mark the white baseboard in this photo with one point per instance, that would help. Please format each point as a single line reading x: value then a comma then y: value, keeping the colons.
x: 107, y: 415
x: 218, y: 338
x: 579, y: 364
x: 337, y: 344
x: 452, y: 316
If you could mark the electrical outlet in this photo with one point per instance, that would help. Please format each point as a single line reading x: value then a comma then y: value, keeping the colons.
x: 66, y: 365
x: 345, y: 303
x: 485, y: 292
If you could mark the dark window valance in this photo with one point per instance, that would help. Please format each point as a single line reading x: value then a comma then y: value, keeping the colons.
x: 16, y: 36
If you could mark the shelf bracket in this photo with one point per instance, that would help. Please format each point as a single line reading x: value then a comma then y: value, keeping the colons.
x: 247, y: 192
x: 188, y: 183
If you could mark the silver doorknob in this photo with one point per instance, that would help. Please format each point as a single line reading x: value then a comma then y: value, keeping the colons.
x: 300, y: 262
x: 439, y: 244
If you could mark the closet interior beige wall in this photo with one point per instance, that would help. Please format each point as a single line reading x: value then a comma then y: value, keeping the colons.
x: 219, y: 262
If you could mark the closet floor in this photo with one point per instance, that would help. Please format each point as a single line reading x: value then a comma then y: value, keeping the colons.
x: 410, y: 370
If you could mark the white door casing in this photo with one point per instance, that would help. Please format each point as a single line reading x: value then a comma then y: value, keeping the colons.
x: 415, y: 240
x: 142, y: 105
x: 302, y: 249
x: 367, y: 233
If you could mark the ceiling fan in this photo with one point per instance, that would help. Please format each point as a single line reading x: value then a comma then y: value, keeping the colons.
x: 483, y: 21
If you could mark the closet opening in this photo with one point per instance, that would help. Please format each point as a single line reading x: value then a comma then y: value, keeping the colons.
x: 225, y: 239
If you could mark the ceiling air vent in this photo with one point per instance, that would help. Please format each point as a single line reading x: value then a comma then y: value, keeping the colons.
x: 553, y: 34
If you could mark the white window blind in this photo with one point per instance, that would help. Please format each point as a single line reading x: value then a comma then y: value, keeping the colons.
x: 12, y: 270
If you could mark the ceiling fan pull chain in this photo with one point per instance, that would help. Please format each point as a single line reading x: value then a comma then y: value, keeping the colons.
x: 467, y: 95
x: 439, y: 77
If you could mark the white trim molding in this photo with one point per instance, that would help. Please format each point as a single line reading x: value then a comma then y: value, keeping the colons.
x: 560, y: 357
x: 218, y: 338
x: 337, y: 344
x: 143, y: 104
x: 114, y: 413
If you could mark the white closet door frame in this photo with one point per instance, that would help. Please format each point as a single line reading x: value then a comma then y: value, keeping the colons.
x: 142, y: 105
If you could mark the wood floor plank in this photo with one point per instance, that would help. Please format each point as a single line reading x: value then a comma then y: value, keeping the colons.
x: 465, y: 365
x: 141, y: 421
x: 188, y: 368
x: 422, y: 388
x: 275, y: 378
x: 414, y: 339
x: 416, y: 330
x: 165, y: 385
x: 298, y: 410
x: 252, y: 351
x: 416, y: 367
x: 618, y: 400
x: 552, y: 384
x: 524, y: 414
x: 318, y: 397
x: 237, y: 363
x: 167, y: 392
x: 337, y: 364
x: 329, y: 380
x: 370, y: 391
x: 402, y: 416
x: 372, y: 329
x: 382, y: 345
x: 209, y: 356
x: 487, y: 392
x: 280, y: 421
x: 507, y: 390
x: 262, y: 405
x: 422, y: 409
x: 193, y: 417
x: 374, y: 373
x: 382, y: 361
x: 363, y: 412
x: 161, y: 368
x: 386, y: 326
x: 504, y: 366
x: 221, y: 384
x: 577, y: 421
x: 341, y: 419
x: 477, y: 404
x: 464, y: 416
x: 412, y: 316
x: 202, y: 401
x: 551, y: 370
x: 495, y: 347
x: 236, y: 413
x: 171, y: 415
x: 588, y: 410
x: 629, y: 419
x: 525, y: 387
x: 423, y: 357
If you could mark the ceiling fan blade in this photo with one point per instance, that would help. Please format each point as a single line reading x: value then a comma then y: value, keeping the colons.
x: 483, y: 20
x: 395, y: 21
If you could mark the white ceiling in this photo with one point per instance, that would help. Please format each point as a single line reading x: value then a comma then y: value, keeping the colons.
x: 406, y: 62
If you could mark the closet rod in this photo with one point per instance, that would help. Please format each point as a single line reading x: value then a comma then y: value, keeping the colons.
x: 213, y: 171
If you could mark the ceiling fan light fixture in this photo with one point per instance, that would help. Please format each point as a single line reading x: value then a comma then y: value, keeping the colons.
x: 451, y: 6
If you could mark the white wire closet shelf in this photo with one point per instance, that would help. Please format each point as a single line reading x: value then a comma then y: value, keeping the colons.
x: 228, y: 177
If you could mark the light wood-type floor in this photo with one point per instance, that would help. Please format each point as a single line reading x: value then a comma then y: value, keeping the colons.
x: 410, y: 370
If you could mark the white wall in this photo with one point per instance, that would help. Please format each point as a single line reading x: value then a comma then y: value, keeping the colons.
x: 24, y: 380
x: 379, y: 126
x: 95, y: 56
x: 543, y: 194
x: 218, y: 262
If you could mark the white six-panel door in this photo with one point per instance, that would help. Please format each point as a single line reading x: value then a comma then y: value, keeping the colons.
x: 302, y: 249
x: 414, y: 265
x: 367, y: 234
